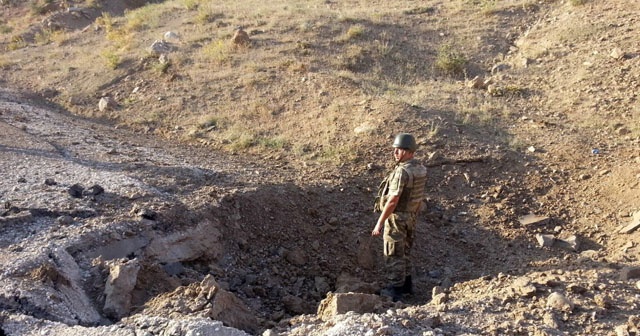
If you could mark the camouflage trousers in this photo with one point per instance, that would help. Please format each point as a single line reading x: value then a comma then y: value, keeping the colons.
x: 399, y: 232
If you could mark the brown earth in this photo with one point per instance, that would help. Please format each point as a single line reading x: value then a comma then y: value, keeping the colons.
x: 259, y: 167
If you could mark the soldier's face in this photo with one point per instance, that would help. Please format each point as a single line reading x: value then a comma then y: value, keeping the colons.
x: 398, y: 154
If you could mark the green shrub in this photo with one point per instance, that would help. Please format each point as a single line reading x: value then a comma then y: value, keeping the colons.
x: 450, y: 61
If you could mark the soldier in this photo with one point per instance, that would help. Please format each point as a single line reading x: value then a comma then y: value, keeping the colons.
x: 400, y: 198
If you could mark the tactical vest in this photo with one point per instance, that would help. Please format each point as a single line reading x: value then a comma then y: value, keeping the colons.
x: 413, y: 191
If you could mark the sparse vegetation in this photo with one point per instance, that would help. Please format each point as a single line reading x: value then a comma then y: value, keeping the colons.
x: 207, y: 13
x: 4, y: 29
x: 4, y: 63
x: 420, y: 10
x: 450, y: 61
x: 111, y: 59
x: 40, y: 7
x: 146, y: 17
x: 218, y: 51
x: 161, y: 66
x: 354, y: 32
x: 17, y: 42
x: 190, y: 4
x: 43, y: 37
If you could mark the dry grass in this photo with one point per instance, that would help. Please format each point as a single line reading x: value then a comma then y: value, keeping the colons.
x: 298, y: 85
x: 450, y: 60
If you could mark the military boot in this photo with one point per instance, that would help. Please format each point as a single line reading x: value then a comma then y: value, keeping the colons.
x: 407, y: 287
x: 394, y: 292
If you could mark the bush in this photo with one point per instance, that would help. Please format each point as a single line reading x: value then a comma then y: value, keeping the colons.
x: 450, y: 61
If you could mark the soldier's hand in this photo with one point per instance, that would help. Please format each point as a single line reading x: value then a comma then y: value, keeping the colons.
x: 376, y: 230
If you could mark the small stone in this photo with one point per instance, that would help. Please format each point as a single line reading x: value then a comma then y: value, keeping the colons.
x: 439, y: 299
x: 622, y: 330
x: 437, y: 290
x: 617, y: 54
x: 629, y: 272
x: 50, y: 182
x: 64, y: 220
x: 241, y: 38
x: 106, y: 103
x: 76, y: 190
x: 269, y: 332
x: 545, y: 240
x: 94, y: 190
x: 559, y: 302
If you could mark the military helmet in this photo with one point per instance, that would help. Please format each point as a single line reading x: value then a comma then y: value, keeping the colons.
x: 405, y: 141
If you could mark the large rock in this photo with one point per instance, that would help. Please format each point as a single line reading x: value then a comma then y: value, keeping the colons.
x: 203, y: 240
x: 204, y: 299
x: 123, y: 276
x: 340, y: 303
x: 629, y: 272
x: 106, y: 104
x: 349, y: 284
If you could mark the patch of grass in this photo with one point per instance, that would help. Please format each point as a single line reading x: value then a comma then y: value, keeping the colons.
x: 450, y: 61
x: 419, y: 10
x: 241, y: 140
x: 92, y: 3
x: 106, y: 21
x: 489, y: 7
x: 43, y: 37
x: 207, y: 14
x: 354, y: 32
x: 40, y: 7
x: 434, y: 129
x: 190, y: 4
x: 121, y: 38
x: 17, y: 42
x: 273, y: 143
x: 5, y: 63
x: 161, y: 66
x: 4, y: 29
x: 209, y: 121
x: 111, y: 58
x: 383, y: 45
x: 337, y: 154
x: 218, y: 51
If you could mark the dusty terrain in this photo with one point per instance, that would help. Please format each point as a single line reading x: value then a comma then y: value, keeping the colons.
x: 228, y: 190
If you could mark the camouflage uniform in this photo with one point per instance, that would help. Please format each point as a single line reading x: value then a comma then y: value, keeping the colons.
x: 407, y: 180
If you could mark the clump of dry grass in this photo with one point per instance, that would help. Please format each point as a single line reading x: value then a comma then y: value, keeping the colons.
x: 577, y: 2
x: 218, y: 51
x: 16, y: 42
x: 450, y: 61
x: 354, y: 32
x: 5, y: 62
x: 111, y: 58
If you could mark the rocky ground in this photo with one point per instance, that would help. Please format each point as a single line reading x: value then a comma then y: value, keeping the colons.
x: 109, y: 228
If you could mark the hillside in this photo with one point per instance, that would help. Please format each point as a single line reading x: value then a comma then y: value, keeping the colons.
x: 162, y: 174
